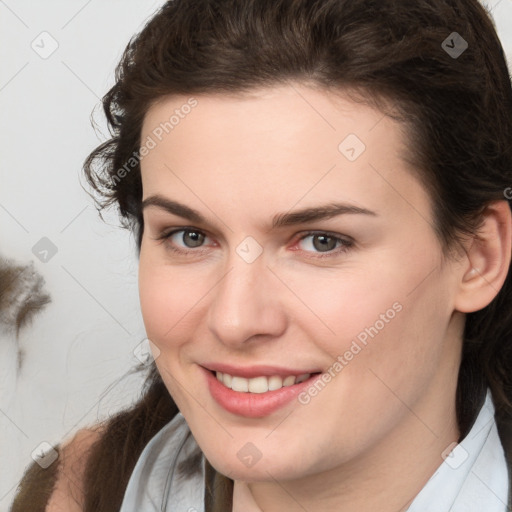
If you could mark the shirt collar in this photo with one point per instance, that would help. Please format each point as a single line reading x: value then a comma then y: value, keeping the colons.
x: 473, y: 475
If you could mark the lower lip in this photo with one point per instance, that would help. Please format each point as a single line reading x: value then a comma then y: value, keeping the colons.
x: 254, y: 405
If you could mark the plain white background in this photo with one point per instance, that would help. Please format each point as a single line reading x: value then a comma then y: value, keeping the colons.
x: 82, y: 344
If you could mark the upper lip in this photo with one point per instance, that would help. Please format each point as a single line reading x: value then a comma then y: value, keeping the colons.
x: 256, y: 370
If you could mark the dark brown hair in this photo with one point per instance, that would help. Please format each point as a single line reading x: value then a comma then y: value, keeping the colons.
x: 455, y: 110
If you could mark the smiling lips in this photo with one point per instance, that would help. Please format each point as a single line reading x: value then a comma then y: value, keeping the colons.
x: 257, y: 391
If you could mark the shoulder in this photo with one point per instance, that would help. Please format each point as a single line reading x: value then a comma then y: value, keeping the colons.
x: 67, y: 495
x: 57, y: 487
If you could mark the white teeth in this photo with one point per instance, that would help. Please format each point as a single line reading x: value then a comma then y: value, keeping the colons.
x: 289, y: 381
x: 240, y: 384
x: 275, y: 382
x: 226, y: 379
x: 259, y: 384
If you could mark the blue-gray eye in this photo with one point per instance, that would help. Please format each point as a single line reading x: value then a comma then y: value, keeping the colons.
x: 321, y: 242
x: 190, y: 238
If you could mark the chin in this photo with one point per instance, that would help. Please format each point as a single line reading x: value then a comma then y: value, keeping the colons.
x: 264, y: 470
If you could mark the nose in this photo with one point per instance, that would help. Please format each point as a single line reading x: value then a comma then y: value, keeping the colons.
x: 246, y: 304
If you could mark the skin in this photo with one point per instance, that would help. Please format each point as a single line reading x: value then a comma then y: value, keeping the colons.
x: 372, y: 438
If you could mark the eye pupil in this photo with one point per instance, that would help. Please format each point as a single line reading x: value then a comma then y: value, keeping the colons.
x: 196, y: 238
x: 324, y: 245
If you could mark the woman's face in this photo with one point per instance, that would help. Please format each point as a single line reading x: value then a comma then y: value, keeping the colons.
x: 263, y: 282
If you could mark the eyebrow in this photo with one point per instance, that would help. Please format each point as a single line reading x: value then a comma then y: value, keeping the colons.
x: 279, y: 220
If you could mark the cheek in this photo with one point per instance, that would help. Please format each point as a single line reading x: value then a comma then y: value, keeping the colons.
x: 388, y: 345
x: 172, y: 300
x: 340, y: 305
x: 392, y: 322
x: 395, y: 344
x: 167, y: 306
x: 365, y: 329
x: 154, y: 300
x: 164, y: 299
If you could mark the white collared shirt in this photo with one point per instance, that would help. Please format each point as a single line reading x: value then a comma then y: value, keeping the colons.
x: 473, y: 478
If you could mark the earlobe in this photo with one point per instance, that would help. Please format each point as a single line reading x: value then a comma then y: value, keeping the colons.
x: 488, y: 259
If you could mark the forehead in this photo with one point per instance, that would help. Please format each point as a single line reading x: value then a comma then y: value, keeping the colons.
x: 287, y: 144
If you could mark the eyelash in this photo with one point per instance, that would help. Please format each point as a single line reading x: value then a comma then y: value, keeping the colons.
x: 346, y: 243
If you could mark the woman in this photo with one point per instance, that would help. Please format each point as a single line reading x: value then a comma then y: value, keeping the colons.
x: 317, y: 190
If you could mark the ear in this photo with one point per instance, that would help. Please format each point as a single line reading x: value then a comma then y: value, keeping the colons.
x: 487, y: 259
